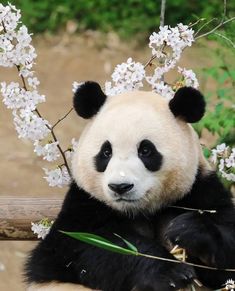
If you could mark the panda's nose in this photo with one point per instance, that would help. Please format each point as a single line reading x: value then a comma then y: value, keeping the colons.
x: 120, y: 188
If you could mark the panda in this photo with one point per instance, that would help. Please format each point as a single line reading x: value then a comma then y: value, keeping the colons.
x: 138, y: 171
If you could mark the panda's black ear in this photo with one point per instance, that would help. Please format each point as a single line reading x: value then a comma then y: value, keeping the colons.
x: 88, y: 99
x: 189, y: 104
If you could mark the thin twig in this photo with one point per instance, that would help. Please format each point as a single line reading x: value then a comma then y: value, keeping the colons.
x: 162, y: 22
x: 61, y: 151
x: 225, y: 10
x: 215, y: 28
x: 180, y: 262
x: 196, y: 22
x: 149, y: 62
x: 62, y: 118
x: 205, y: 24
x: 226, y: 38
x: 194, y: 209
x: 162, y: 15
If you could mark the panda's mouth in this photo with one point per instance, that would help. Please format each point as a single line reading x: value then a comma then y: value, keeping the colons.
x: 126, y: 200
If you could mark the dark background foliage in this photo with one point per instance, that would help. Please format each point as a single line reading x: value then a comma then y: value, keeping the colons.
x: 126, y: 17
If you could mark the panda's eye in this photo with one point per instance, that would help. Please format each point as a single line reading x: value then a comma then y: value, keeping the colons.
x: 145, y: 149
x: 144, y: 152
x: 149, y: 155
x: 107, y: 153
x: 103, y: 157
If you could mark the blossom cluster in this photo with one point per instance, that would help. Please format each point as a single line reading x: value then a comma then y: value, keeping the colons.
x: 17, y: 51
x: 57, y: 177
x: 126, y: 77
x: 49, y: 151
x: 224, y: 157
x: 167, y: 46
x: 41, y: 228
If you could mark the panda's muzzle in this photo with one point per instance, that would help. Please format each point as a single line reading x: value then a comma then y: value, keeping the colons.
x: 120, y: 188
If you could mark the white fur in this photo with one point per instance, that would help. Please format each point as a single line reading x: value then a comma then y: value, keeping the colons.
x: 125, y: 120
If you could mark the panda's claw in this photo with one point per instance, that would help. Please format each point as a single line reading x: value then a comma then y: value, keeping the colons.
x: 178, y: 276
x: 194, y: 236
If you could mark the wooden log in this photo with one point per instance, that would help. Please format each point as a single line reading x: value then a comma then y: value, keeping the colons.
x: 16, y: 215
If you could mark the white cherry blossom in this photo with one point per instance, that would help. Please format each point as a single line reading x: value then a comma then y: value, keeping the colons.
x: 70, y: 151
x: 176, y: 38
x: 75, y: 86
x: 49, y: 151
x: 189, y: 77
x: 224, y: 157
x: 58, y: 177
x: 126, y: 77
x: 33, y: 82
x: 29, y: 125
x: 15, y: 97
x: 41, y: 228
x: 163, y: 89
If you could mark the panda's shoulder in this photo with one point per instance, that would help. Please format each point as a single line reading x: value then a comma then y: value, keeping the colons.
x: 207, y: 192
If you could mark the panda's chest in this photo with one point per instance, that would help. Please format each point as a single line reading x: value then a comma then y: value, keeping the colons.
x: 144, y: 228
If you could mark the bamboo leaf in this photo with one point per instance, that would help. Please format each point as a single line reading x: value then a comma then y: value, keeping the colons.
x: 100, y: 242
x: 130, y: 245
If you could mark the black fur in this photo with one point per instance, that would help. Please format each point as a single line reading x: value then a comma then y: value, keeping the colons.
x: 103, y: 157
x: 189, y: 104
x: 149, y: 155
x: 208, y: 238
x: 88, y: 99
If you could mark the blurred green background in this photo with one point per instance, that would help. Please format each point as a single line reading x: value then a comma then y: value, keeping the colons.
x: 126, y: 17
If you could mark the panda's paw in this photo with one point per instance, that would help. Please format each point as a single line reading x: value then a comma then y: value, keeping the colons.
x: 173, y: 277
x: 197, y: 235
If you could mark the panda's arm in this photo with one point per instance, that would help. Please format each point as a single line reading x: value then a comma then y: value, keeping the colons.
x: 207, y: 237
x: 61, y: 258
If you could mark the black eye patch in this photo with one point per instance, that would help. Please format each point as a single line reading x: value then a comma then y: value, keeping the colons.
x: 103, y: 157
x: 149, y: 155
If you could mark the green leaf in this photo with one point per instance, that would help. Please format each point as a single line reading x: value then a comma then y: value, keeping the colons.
x: 130, y: 245
x: 206, y: 152
x: 100, y: 242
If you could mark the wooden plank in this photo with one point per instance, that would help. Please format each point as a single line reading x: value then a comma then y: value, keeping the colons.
x: 16, y: 215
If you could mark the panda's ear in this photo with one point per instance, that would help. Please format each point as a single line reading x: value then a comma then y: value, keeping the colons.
x: 189, y: 104
x: 88, y: 99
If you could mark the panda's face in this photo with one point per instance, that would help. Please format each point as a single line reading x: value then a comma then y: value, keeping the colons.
x: 135, y: 155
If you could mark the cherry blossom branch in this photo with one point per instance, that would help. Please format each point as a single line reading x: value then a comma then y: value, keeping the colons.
x: 149, y: 62
x: 215, y: 28
x: 222, y: 23
x: 51, y: 129
x: 196, y: 22
x: 162, y: 21
x: 62, y: 118
x: 204, y: 25
x: 226, y: 38
x: 154, y: 56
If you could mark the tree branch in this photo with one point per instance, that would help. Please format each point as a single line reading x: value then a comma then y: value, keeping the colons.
x: 39, y: 114
x: 162, y: 15
x: 205, y: 24
x: 62, y: 118
x: 222, y: 22
x: 226, y: 38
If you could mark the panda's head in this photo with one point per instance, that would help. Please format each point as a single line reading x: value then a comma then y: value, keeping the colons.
x: 138, y: 151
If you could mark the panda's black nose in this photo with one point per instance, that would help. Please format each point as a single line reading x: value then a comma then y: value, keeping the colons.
x: 120, y: 188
